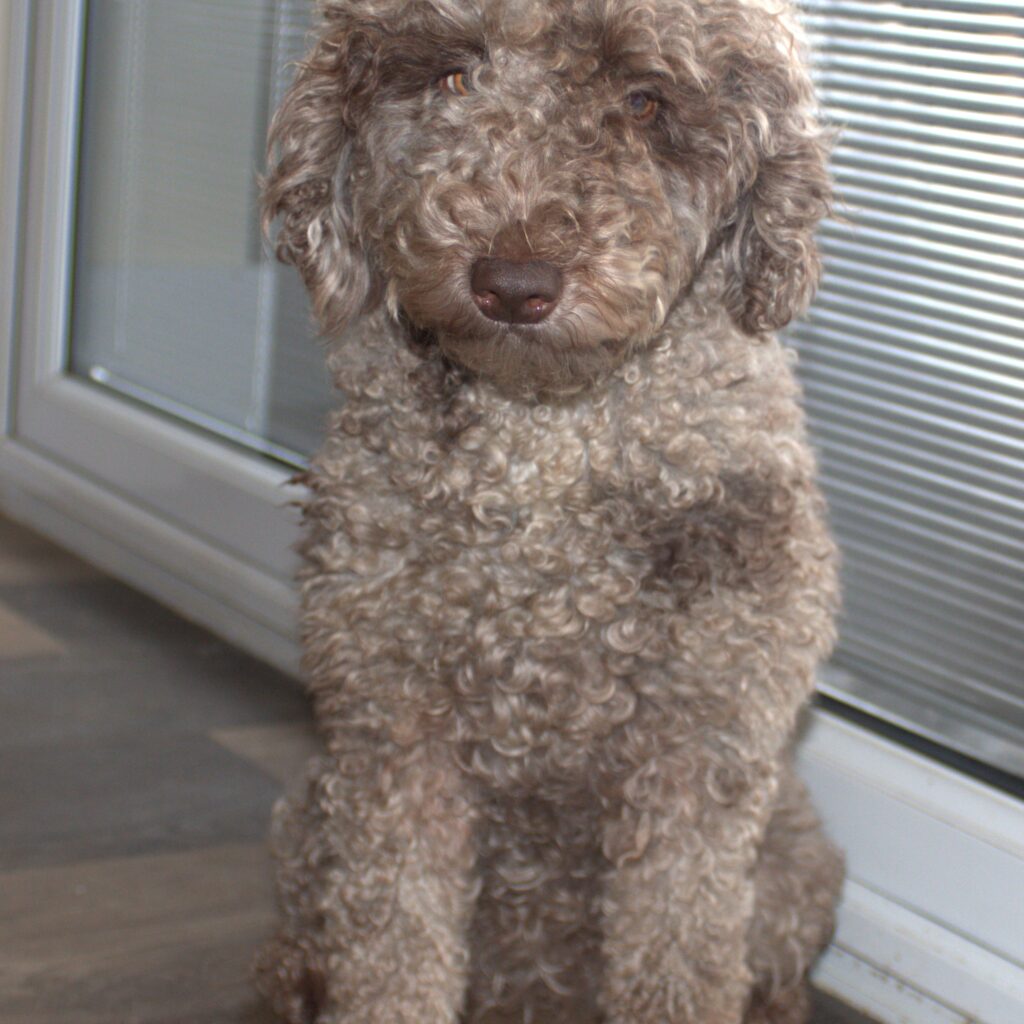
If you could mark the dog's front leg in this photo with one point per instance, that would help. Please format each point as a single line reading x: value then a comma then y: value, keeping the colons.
x: 375, y: 878
x: 678, y: 903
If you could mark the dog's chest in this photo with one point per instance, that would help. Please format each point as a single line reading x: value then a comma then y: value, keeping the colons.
x: 541, y: 618
x: 550, y: 665
x: 512, y: 573
x: 499, y: 587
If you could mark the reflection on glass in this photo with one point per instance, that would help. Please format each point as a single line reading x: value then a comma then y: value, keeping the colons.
x: 175, y: 300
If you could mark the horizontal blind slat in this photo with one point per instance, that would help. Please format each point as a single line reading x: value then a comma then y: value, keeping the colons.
x: 851, y: 423
x: 978, y: 647
x: 879, y: 121
x: 847, y: 276
x: 865, y: 142
x: 882, y: 192
x: 859, y: 496
x: 984, y: 245
x: 952, y: 584
x: 902, y: 362
x: 885, y: 655
x: 942, y: 274
x: 826, y: 33
x: 959, y: 77
x: 891, y: 324
x: 877, y: 236
x: 1001, y: 104
x: 893, y: 407
x: 963, y: 493
x: 987, y: 180
x: 1006, y: 484
x: 888, y: 317
x: 848, y: 99
x: 951, y: 670
x: 981, y: 18
x: 849, y: 379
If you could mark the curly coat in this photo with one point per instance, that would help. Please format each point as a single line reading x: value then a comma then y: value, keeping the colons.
x: 566, y: 582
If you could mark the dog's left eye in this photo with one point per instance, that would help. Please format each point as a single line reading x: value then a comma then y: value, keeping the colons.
x: 642, y: 105
x: 456, y: 83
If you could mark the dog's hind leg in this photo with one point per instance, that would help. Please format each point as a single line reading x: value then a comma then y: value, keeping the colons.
x: 799, y: 873
x: 376, y: 880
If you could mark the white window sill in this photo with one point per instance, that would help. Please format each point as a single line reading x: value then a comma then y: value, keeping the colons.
x: 930, y: 924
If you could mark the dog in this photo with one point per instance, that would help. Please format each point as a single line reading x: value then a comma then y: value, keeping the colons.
x: 567, y: 570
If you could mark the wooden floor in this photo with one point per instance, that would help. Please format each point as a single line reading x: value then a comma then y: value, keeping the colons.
x: 139, y: 759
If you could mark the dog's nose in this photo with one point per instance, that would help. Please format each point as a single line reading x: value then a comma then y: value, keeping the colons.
x: 513, y: 291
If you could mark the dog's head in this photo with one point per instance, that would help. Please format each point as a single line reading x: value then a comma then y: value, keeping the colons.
x: 537, y: 182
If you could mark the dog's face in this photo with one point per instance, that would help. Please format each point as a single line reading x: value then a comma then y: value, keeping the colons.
x: 537, y: 183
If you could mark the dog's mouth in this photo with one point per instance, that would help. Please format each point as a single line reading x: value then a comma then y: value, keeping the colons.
x: 543, y: 360
x: 533, y: 359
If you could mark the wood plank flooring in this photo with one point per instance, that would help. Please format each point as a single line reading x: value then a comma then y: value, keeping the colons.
x: 139, y: 759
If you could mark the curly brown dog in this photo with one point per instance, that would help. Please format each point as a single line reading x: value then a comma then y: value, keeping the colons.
x: 568, y: 577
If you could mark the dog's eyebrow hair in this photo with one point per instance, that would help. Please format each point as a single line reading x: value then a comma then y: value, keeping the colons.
x: 411, y: 60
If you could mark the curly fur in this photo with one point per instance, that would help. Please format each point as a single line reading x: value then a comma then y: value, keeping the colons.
x: 566, y: 583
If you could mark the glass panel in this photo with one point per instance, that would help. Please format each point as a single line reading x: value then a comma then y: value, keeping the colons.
x: 176, y: 302
x: 913, y: 364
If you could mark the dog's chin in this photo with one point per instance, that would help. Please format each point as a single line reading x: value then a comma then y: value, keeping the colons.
x: 540, y: 361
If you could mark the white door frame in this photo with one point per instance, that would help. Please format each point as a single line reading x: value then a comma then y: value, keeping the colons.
x: 137, y: 491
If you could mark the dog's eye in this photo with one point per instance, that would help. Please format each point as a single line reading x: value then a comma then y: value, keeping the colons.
x: 455, y: 83
x: 642, y: 105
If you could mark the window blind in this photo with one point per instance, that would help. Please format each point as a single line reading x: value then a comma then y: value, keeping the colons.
x: 912, y: 360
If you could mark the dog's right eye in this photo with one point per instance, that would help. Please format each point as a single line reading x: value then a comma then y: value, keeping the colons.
x: 455, y: 83
x: 642, y: 105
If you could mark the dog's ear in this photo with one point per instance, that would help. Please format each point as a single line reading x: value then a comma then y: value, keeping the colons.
x: 771, y: 257
x: 308, y: 153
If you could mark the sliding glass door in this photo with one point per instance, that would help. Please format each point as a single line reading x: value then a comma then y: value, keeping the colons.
x: 167, y: 363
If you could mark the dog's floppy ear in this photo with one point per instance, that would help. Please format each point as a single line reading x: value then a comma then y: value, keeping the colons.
x: 309, y: 146
x: 771, y: 256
